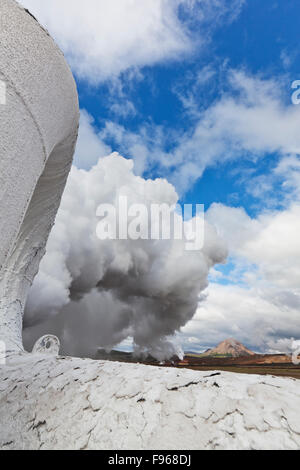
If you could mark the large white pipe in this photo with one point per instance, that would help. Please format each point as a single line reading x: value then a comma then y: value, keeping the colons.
x: 38, y: 130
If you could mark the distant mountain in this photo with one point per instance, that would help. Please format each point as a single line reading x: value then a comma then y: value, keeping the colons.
x: 230, y: 347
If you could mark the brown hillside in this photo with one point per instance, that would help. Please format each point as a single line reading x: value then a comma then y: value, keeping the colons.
x: 230, y: 347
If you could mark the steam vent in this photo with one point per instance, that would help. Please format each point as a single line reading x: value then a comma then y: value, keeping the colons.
x: 52, y: 402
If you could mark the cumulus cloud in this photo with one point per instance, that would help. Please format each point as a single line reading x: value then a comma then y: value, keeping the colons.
x: 104, y: 38
x: 247, y: 313
x: 257, y: 120
x: 256, y: 298
x: 250, y: 120
x: 89, y: 146
x: 95, y: 293
x: 269, y: 241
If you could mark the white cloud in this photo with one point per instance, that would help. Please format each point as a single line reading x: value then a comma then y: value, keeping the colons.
x: 145, y: 147
x: 245, y: 314
x: 259, y: 300
x: 288, y: 172
x: 257, y: 120
x: 250, y: 120
x: 89, y: 147
x: 123, y: 109
x: 271, y: 241
x: 276, y: 247
x: 104, y: 38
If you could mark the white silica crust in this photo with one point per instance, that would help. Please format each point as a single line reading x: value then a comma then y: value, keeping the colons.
x: 48, y: 344
x: 38, y: 131
x: 68, y: 403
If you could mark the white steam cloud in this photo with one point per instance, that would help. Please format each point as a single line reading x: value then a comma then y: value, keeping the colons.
x: 94, y: 293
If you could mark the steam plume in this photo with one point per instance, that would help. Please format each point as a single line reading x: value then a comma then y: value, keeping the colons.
x: 94, y: 293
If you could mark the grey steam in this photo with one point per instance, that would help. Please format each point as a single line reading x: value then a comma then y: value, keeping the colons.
x: 96, y: 293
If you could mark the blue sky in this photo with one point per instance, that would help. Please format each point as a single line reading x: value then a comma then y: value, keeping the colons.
x: 262, y: 41
x: 201, y: 95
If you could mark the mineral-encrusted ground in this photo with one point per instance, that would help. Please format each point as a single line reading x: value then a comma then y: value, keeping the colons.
x: 68, y: 403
